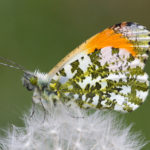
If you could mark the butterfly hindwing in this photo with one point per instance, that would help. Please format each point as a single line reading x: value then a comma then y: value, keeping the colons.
x: 107, y: 70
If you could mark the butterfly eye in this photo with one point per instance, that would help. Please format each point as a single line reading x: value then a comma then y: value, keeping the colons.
x: 33, y: 80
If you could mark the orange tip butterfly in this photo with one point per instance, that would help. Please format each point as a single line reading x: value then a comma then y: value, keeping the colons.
x: 105, y: 72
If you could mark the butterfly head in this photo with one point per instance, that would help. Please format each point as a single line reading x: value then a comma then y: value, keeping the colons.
x: 35, y: 80
x: 38, y: 83
x: 30, y: 81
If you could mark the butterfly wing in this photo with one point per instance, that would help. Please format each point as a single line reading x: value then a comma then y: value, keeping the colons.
x: 107, y: 70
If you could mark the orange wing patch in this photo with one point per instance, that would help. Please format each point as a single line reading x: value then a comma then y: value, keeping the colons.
x: 109, y: 38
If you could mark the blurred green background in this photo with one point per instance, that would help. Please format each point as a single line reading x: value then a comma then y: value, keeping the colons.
x: 37, y: 34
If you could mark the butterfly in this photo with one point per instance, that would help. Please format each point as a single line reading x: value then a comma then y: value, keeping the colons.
x: 105, y: 72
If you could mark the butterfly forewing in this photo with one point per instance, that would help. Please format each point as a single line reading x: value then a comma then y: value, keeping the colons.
x: 107, y: 70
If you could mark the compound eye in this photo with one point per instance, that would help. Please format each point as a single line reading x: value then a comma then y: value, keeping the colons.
x: 33, y: 80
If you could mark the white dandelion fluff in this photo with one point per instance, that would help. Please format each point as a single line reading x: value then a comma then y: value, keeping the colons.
x: 71, y: 129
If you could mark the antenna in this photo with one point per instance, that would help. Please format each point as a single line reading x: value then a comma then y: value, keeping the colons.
x: 11, y: 64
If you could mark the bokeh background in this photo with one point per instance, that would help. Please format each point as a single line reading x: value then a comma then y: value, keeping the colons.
x: 37, y: 34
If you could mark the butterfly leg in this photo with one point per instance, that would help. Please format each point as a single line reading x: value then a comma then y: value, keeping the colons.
x: 43, y: 109
x: 33, y: 109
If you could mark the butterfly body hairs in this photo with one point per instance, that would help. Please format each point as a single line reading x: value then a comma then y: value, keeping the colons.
x: 105, y: 72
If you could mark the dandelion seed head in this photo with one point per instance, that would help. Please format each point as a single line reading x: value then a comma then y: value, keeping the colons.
x: 61, y: 131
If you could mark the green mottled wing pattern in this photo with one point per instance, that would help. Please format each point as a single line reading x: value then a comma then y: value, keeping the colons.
x: 107, y: 78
